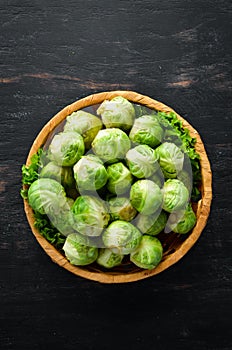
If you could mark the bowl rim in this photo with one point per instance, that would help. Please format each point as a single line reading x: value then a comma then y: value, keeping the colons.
x: 203, y: 206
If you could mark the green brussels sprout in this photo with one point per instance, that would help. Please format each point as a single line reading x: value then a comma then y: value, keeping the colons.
x: 66, y: 148
x: 183, y: 222
x: 148, y: 254
x: 175, y: 195
x: 121, y: 237
x: 77, y: 252
x: 170, y: 158
x: 146, y: 196
x: 47, y: 196
x: 147, y: 130
x: 86, y: 124
x: 63, y: 175
x: 142, y: 161
x: 90, y: 215
x: 117, y: 113
x: 111, y: 145
x: 108, y: 259
x: 64, y: 221
x: 152, y: 224
x: 120, y: 208
x: 119, y: 178
x: 90, y: 173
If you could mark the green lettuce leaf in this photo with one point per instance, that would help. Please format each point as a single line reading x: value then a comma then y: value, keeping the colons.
x: 30, y: 173
x: 48, y: 231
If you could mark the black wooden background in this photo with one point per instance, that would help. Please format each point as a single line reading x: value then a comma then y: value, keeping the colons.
x: 53, y: 52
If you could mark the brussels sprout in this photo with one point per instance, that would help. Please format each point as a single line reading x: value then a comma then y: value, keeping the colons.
x: 121, y: 237
x: 121, y: 209
x: 145, y: 196
x: 148, y: 254
x: 77, y: 252
x: 175, y: 195
x: 152, y: 224
x: 117, y: 113
x: 119, y: 178
x: 109, y: 259
x: 90, y: 173
x: 66, y: 148
x: 142, y: 161
x: 63, y: 175
x: 170, y: 158
x: 183, y: 222
x: 86, y: 124
x: 47, y: 196
x: 64, y: 221
x: 111, y: 145
x: 147, y: 130
x: 90, y: 215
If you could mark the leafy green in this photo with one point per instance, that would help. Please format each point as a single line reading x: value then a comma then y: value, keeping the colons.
x: 24, y: 193
x: 30, y: 173
x: 48, y: 231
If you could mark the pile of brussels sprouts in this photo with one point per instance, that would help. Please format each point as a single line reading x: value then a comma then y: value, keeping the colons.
x: 111, y: 181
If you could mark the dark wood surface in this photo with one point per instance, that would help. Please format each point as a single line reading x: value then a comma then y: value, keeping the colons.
x: 54, y: 52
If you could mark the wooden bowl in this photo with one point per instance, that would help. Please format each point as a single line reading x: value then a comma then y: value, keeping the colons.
x: 175, y: 246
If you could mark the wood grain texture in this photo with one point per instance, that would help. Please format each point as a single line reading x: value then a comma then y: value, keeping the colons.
x: 55, y: 52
